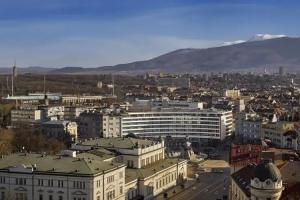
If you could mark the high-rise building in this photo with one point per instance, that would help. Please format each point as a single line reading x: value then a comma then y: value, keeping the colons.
x: 280, y: 71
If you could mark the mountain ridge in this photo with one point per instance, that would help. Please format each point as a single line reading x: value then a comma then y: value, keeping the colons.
x: 245, y: 56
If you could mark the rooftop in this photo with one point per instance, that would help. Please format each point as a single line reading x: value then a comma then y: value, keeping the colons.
x: 133, y: 174
x: 121, y: 143
x: 83, y: 164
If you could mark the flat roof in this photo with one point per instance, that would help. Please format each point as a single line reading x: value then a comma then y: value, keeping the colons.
x: 121, y: 143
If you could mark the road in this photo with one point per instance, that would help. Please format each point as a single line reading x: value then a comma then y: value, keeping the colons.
x: 210, y: 186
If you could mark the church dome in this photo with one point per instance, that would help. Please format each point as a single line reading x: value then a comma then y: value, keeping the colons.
x: 267, y: 170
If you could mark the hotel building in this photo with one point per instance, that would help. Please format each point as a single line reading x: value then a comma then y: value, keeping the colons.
x: 192, y: 123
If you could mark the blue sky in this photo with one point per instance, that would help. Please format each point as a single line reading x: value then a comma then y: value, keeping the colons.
x: 91, y: 33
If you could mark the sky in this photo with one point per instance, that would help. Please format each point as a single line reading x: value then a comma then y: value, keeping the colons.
x: 93, y: 33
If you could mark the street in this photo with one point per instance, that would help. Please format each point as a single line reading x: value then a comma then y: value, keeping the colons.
x: 210, y: 186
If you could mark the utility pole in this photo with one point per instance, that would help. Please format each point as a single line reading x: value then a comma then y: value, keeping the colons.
x: 113, y: 85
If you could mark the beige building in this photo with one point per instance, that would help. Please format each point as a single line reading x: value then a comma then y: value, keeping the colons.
x: 111, y: 125
x: 148, y: 172
x: 87, y: 176
x: 234, y: 94
x: 275, y: 132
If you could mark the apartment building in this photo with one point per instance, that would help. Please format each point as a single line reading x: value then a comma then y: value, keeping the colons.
x: 111, y: 125
x: 277, y: 132
x: 90, y: 124
x: 61, y: 129
x: 248, y: 125
x: 27, y: 116
x: 192, y: 123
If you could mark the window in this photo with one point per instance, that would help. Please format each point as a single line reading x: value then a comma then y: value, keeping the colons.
x: 50, y: 183
x: 60, y: 197
x: 98, y: 183
x: 79, y: 185
x: 40, y: 182
x: 120, y: 174
x: 2, y: 179
x: 121, y: 190
x: 110, y: 179
x: 50, y: 197
x: 20, y: 181
x: 130, y: 163
x: 98, y: 197
x: 60, y: 183
x: 110, y: 195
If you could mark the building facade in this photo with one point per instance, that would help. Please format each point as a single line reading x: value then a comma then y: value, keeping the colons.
x: 199, y: 124
x: 26, y: 116
x: 90, y: 124
x: 111, y: 125
x: 84, y: 177
x: 61, y: 129
x: 148, y: 171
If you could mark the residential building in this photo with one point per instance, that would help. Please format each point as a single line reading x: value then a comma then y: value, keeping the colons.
x: 90, y: 124
x: 60, y: 129
x: 111, y: 125
x: 28, y: 116
x: 248, y: 126
x: 277, y: 132
x: 174, y: 82
x: 234, y: 94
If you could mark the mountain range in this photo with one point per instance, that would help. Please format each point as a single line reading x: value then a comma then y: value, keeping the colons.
x: 261, y: 51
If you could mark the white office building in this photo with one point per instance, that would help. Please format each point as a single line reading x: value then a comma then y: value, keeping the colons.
x: 192, y: 123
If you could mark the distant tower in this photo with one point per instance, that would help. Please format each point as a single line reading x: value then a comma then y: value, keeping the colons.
x: 13, y: 76
x: 280, y: 71
x: 113, y: 84
x: 266, y: 182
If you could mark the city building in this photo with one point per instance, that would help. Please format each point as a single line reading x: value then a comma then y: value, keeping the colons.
x: 173, y: 82
x: 148, y: 171
x: 266, y: 181
x: 24, y: 116
x: 73, y: 100
x: 27, y: 176
x: 111, y: 125
x: 197, y: 124
x: 248, y: 126
x: 257, y: 182
x: 60, y: 129
x: 239, y: 105
x: 234, y: 94
x: 278, y: 132
x: 90, y: 124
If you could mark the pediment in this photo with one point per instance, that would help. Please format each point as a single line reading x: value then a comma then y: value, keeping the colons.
x: 79, y: 193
